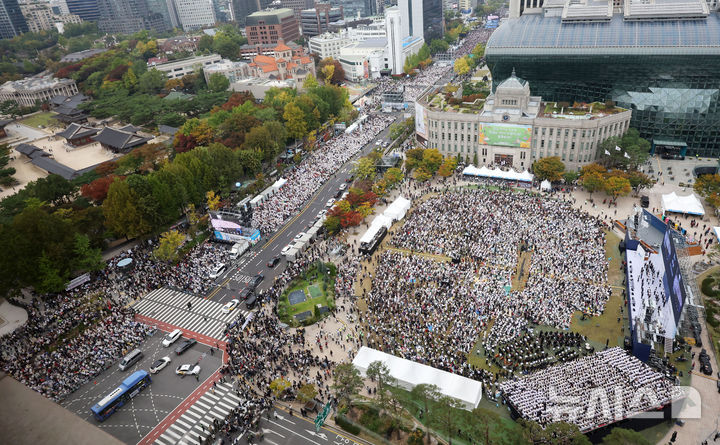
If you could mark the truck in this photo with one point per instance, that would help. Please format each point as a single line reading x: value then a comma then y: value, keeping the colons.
x: 239, y: 248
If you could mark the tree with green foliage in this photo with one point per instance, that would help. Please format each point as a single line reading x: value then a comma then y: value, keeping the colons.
x: 218, y: 82
x: 432, y: 159
x: 708, y: 186
x: 461, y: 66
x: 122, y: 215
x: 168, y: 246
x: 557, y: 433
x: 413, y: 158
x: 570, y: 176
x: 393, y: 176
x: 426, y: 393
x: 622, y: 436
x: 365, y: 169
x: 379, y: 373
x: 86, y: 258
x: 438, y: 46
x: 310, y: 82
x: 205, y: 44
x: 306, y: 393
x: 550, y: 168
x: 422, y: 174
x: 50, y: 278
x: 444, y: 417
x: 617, y: 186
x: 260, y: 140
x: 295, y: 121
x: 346, y: 382
x: 592, y: 182
x: 6, y: 174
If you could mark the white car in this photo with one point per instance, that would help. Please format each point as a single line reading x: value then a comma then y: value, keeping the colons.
x: 322, y: 213
x: 159, y: 365
x: 230, y: 306
x: 217, y: 271
x: 172, y: 337
x: 330, y: 202
x: 343, y: 186
x: 188, y: 370
x: 286, y: 249
x: 299, y: 235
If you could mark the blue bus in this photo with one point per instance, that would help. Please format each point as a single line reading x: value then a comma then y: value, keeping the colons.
x: 120, y: 395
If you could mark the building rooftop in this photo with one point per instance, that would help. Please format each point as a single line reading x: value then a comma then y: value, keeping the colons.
x: 594, y: 110
x: 379, y: 42
x: 270, y: 17
x: 533, y: 34
x: 81, y: 55
x: 31, y: 84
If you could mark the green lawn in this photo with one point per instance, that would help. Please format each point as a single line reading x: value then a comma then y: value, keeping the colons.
x: 311, y: 283
x: 45, y: 119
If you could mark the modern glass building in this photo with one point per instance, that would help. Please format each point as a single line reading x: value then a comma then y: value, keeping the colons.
x: 666, y: 71
x: 433, y: 22
x: 12, y: 22
x: 87, y: 9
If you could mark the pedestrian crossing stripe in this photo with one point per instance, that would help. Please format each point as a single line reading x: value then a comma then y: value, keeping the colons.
x: 203, y: 316
x: 195, y: 423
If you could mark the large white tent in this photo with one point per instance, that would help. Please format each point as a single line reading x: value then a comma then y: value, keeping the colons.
x: 410, y: 374
x: 397, y: 210
x: 545, y: 185
x: 682, y: 204
x: 375, y: 226
x: 510, y: 175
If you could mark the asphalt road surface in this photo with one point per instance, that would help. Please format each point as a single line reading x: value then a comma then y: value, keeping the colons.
x: 282, y: 429
x: 138, y: 417
x: 255, y: 261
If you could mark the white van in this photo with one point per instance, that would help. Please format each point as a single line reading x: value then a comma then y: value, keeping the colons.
x: 238, y: 249
x: 171, y: 337
x: 217, y: 271
x: 130, y: 359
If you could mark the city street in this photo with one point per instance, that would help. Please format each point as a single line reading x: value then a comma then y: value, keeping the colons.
x: 148, y: 408
x: 254, y: 261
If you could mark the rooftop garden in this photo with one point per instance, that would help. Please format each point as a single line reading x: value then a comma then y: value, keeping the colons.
x: 596, y: 109
x: 472, y: 99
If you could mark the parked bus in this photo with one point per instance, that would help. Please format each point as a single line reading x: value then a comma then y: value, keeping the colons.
x: 128, y: 389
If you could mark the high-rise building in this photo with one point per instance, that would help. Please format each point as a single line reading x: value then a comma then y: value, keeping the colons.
x: 161, y: 7
x: 412, y: 17
x: 195, y: 14
x: 659, y: 59
x: 271, y: 25
x: 433, y: 20
x: 128, y: 17
x: 88, y: 10
x: 12, y: 22
x: 317, y: 20
x: 297, y: 6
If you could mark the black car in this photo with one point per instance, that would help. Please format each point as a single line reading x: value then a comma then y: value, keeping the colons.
x: 274, y: 261
x: 185, y: 345
x: 250, y: 302
x: 244, y: 294
x: 644, y: 201
x: 256, y: 280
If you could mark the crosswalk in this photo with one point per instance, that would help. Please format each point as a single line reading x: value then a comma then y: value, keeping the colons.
x: 195, y: 423
x: 203, y: 316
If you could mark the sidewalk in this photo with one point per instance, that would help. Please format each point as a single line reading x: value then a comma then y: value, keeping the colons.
x: 11, y: 317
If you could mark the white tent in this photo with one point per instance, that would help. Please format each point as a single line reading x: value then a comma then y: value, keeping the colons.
x: 545, y: 185
x: 397, y: 210
x: 410, y: 374
x: 717, y: 232
x: 682, y: 204
x: 375, y: 225
x: 510, y: 175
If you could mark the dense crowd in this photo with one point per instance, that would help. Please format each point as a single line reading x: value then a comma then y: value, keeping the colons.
x: 36, y: 357
x: 569, y: 392
x: 431, y: 311
x: 313, y: 172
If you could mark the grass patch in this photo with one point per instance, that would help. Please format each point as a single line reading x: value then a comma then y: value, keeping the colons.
x: 45, y: 119
x: 318, y: 284
x: 606, y: 326
x: 709, y: 282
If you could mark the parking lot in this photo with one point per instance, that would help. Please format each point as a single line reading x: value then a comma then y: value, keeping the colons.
x: 139, y: 416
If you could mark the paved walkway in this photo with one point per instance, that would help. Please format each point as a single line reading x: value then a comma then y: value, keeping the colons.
x: 11, y: 317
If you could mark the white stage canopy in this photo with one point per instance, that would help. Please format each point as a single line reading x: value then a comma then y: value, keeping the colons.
x: 682, y: 204
x: 545, y: 185
x: 717, y: 232
x: 394, y: 212
x: 410, y: 374
x: 397, y: 210
x: 510, y: 175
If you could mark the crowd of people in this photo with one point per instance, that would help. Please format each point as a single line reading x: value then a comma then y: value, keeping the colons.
x: 431, y: 311
x: 37, y: 356
x: 569, y: 392
x: 313, y: 172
